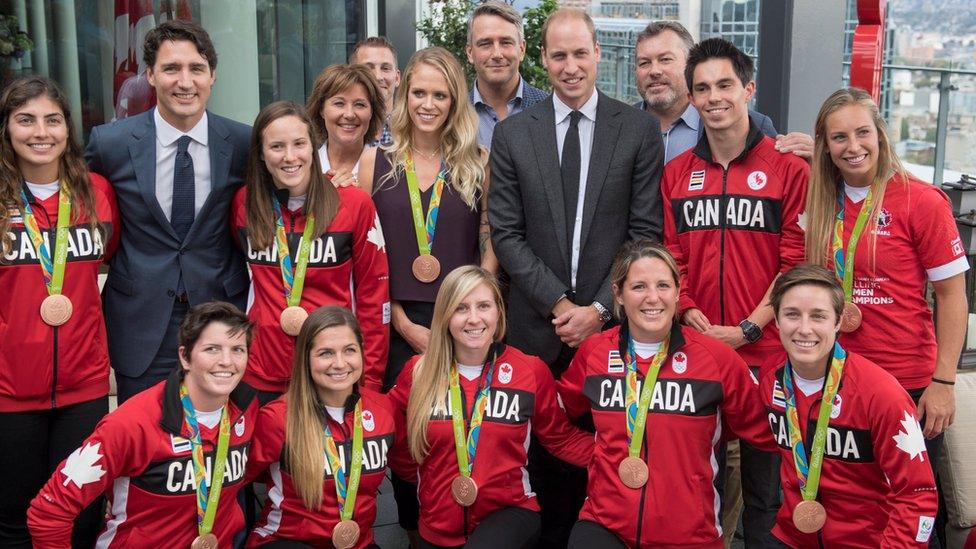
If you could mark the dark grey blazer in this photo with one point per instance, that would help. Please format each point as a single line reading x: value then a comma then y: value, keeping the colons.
x: 144, y: 273
x: 528, y: 223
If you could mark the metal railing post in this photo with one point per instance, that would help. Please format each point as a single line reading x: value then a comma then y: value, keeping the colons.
x: 941, y: 127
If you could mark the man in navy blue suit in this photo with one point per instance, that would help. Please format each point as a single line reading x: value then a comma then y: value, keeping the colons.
x: 174, y: 170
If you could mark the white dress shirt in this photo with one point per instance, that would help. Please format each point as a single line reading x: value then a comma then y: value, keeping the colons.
x: 586, y: 125
x: 166, y: 137
x: 324, y: 159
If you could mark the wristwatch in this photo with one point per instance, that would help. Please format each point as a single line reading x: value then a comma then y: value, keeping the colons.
x: 751, y: 331
x: 605, y: 315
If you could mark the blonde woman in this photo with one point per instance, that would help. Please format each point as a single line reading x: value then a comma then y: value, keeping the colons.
x: 326, y: 418
x: 471, y: 405
x: 893, y: 235
x: 436, y: 162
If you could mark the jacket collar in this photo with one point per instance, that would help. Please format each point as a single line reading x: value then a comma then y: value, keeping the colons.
x: 675, y: 343
x: 172, y: 420
x: 704, y: 151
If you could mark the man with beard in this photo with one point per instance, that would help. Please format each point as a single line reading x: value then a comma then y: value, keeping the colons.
x: 662, y: 53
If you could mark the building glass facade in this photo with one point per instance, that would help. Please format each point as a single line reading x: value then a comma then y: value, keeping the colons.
x: 266, y: 49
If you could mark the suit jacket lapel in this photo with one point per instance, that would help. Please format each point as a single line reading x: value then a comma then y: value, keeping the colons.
x: 221, y: 151
x: 543, y: 131
x: 604, y: 140
x: 142, y: 151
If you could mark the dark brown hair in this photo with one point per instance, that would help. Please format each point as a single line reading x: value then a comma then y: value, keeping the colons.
x: 336, y: 79
x: 72, y: 169
x: 323, y: 199
x: 201, y: 316
x: 808, y: 275
x: 718, y: 48
x: 176, y: 30
x: 303, y: 418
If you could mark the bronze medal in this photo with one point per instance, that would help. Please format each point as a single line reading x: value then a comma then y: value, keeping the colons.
x: 206, y: 541
x: 633, y: 472
x: 345, y: 534
x: 292, y: 319
x: 426, y: 268
x: 850, y: 319
x: 464, y: 490
x: 809, y: 516
x: 56, y: 309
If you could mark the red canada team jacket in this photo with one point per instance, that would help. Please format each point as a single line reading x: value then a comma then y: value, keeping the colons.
x: 346, y: 267
x: 139, y: 457
x: 285, y: 514
x: 44, y: 367
x: 732, y: 231
x: 703, y: 387
x: 876, y: 482
x: 522, y: 395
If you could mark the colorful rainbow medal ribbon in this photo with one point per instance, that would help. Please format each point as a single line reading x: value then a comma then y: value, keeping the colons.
x: 463, y: 487
x: 56, y: 308
x: 426, y: 268
x: 809, y: 515
x: 208, y: 497
x: 850, y: 319
x: 632, y: 469
x: 346, y: 532
x: 293, y: 280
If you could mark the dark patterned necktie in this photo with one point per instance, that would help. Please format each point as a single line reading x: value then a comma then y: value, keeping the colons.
x: 181, y: 216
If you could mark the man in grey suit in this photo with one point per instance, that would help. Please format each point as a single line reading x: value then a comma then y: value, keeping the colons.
x: 174, y: 170
x: 572, y: 179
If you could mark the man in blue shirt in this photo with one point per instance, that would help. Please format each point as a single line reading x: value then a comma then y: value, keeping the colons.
x: 662, y: 53
x: 496, y: 46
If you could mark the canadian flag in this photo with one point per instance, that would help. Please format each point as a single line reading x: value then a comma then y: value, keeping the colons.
x: 132, y: 92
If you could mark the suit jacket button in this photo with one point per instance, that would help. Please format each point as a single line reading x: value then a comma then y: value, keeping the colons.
x: 170, y: 293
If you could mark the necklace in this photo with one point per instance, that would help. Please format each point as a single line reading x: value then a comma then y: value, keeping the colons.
x: 429, y: 156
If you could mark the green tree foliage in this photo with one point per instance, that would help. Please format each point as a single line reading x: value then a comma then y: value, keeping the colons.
x: 447, y: 26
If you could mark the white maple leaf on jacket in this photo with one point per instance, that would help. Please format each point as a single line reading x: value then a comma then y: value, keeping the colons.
x: 80, y: 466
x: 375, y: 234
x: 911, y: 441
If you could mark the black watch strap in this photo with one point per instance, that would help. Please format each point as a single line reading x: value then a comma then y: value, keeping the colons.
x: 751, y: 331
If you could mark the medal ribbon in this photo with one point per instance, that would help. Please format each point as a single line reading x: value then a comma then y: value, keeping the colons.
x: 293, y: 279
x: 808, y: 472
x: 465, y: 448
x: 207, y: 496
x: 637, y: 411
x: 346, y: 492
x: 844, y: 260
x: 424, y: 229
x: 53, y: 271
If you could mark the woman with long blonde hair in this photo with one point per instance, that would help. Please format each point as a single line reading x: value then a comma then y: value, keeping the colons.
x: 471, y: 404
x: 324, y: 443
x: 887, y: 235
x: 431, y: 189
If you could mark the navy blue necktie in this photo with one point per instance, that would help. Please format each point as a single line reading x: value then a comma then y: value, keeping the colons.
x: 181, y: 217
